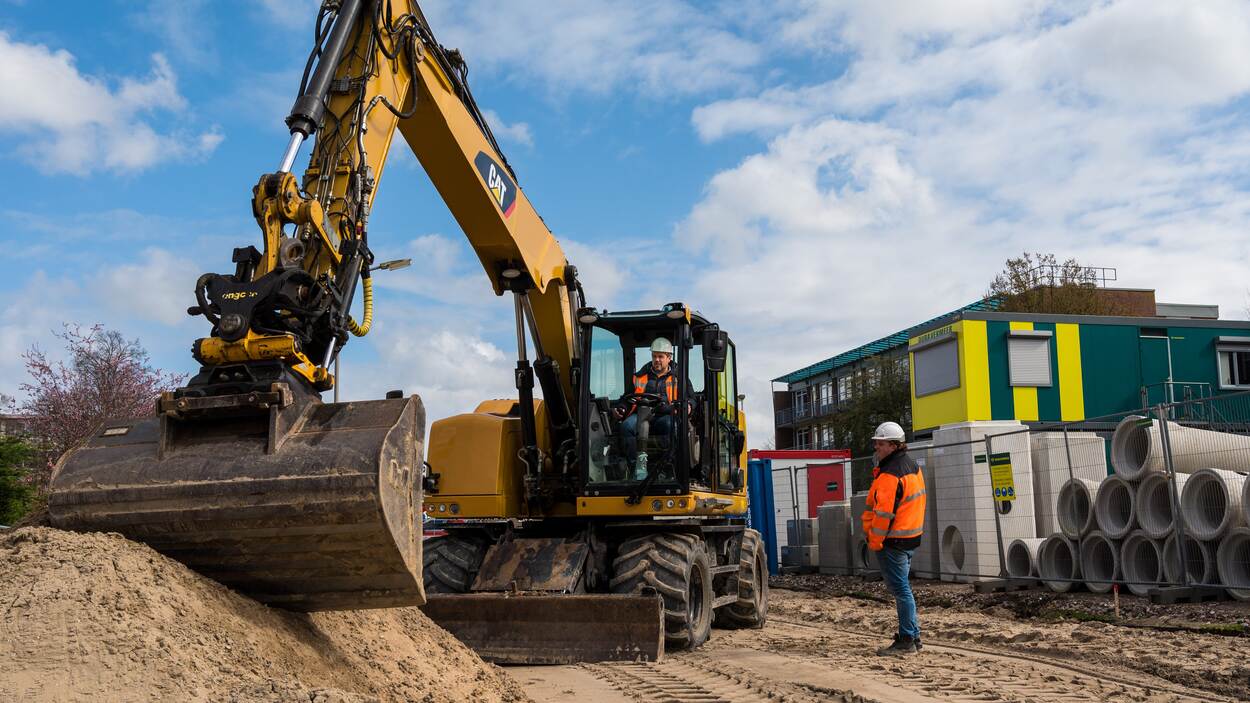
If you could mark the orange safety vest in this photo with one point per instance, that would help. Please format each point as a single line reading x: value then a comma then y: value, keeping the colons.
x: 896, y: 504
x: 670, y: 384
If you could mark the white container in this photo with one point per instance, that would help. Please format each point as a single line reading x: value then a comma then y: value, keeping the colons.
x: 926, y: 563
x: 858, y: 501
x: 805, y: 556
x: 802, y: 532
x: 1051, y: 470
x: 834, y: 545
x: 967, y: 537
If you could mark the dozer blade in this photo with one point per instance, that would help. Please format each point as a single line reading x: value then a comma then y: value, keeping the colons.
x: 299, y: 504
x: 553, y: 629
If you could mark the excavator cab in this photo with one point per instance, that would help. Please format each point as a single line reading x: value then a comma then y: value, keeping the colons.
x: 638, y: 443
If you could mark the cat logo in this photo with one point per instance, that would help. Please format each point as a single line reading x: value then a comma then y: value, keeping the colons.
x: 497, y: 181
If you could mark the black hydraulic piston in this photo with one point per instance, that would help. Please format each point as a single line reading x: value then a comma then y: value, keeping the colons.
x: 309, y: 108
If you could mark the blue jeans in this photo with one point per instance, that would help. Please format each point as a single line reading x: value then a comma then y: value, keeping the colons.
x: 661, y: 424
x: 895, y: 565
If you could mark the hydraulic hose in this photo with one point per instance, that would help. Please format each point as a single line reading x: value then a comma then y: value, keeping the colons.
x: 363, y: 329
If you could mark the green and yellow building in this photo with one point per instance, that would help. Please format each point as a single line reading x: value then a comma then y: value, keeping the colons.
x: 979, y: 365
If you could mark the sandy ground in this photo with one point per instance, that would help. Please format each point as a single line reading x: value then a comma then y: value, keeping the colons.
x: 819, y: 646
x: 95, y: 617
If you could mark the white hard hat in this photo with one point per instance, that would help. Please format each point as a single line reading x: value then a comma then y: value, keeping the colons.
x: 891, y: 431
x: 662, y: 345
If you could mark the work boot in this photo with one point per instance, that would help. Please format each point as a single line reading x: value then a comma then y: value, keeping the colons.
x: 901, y: 645
x: 640, y: 470
x: 918, y: 645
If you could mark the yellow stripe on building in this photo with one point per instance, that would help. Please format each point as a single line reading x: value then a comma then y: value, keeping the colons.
x: 1025, y: 397
x: 1071, y: 381
x: 974, y: 361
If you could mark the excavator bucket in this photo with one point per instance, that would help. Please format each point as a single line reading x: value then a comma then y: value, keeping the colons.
x: 553, y: 629
x: 296, y: 503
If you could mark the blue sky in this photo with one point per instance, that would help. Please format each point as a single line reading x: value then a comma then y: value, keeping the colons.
x: 812, y: 174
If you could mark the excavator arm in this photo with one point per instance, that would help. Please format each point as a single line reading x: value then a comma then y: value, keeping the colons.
x: 244, y: 473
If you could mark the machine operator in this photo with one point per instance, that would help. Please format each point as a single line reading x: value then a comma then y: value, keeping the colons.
x: 660, y: 377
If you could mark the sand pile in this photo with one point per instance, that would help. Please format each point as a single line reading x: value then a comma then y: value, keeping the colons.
x: 98, y: 617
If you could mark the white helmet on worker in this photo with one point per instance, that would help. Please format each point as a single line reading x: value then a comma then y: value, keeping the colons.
x: 890, y: 432
x: 662, y: 345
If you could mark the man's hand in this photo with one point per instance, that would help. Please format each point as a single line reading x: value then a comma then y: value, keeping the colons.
x: 618, y: 412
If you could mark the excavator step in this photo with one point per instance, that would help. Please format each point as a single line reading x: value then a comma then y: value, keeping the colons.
x: 553, y: 629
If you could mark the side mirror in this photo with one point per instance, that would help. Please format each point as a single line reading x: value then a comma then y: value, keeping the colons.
x: 740, y: 441
x: 715, y: 349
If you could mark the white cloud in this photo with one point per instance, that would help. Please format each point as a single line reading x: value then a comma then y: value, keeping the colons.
x: 517, y: 132
x: 71, y: 123
x: 655, y: 47
x: 158, y: 287
x: 961, y: 134
x: 184, y: 27
x: 291, y: 13
x: 450, y: 365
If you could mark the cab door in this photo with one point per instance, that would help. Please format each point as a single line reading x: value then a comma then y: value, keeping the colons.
x: 725, y: 425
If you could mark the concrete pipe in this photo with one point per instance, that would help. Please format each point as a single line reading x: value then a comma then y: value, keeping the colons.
x: 1211, y: 503
x: 1075, y: 507
x: 1199, y: 561
x: 1137, y: 449
x: 1245, y: 503
x: 1057, y: 559
x: 1141, y: 562
x: 1233, y: 562
x: 953, y: 551
x: 865, y: 560
x: 1115, y: 507
x: 1100, y: 562
x: 1154, y: 504
x: 1022, y: 557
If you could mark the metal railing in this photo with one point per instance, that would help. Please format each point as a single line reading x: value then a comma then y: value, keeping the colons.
x: 790, y: 416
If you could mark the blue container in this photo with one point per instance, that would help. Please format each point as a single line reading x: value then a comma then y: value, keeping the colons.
x: 760, y: 507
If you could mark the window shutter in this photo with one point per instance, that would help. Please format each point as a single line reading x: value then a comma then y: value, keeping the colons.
x: 936, y: 368
x: 1030, y: 360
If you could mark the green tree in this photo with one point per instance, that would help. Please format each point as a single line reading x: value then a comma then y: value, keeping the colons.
x: 880, y: 391
x: 1037, y: 283
x: 17, y: 491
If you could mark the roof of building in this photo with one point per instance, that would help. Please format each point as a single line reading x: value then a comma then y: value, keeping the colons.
x: 898, y: 339
x: 1165, y: 322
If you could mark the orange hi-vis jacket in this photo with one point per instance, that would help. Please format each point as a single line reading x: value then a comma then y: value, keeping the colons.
x: 894, y: 513
x: 669, y: 380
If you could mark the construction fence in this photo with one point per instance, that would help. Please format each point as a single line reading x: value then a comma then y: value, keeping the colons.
x: 1155, y: 501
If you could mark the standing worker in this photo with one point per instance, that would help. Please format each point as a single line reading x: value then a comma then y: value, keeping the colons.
x: 893, y: 525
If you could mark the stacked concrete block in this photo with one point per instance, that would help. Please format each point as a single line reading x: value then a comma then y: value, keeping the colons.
x: 802, y: 548
x: 1051, y: 470
x: 863, y: 560
x: 926, y: 563
x: 835, y: 538
x: 968, y: 541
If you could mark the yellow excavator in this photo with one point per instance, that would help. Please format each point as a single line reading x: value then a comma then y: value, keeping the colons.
x: 598, y: 522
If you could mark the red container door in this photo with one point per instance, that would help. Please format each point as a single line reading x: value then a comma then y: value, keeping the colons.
x: 825, y: 483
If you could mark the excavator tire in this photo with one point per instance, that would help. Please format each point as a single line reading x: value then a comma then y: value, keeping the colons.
x: 675, y: 565
x: 450, y: 562
x: 751, y: 582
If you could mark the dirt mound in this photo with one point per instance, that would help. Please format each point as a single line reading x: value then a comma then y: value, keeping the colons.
x: 98, y: 617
